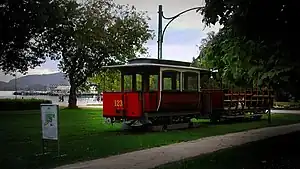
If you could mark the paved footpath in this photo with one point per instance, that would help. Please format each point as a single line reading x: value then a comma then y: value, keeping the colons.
x: 286, y: 111
x: 153, y: 157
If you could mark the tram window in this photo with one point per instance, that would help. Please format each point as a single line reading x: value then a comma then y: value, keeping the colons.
x: 167, y: 84
x: 138, y: 82
x: 171, y: 80
x: 193, y: 82
x: 178, y: 81
x: 190, y: 81
x: 127, y: 83
x: 110, y: 81
x: 153, y: 82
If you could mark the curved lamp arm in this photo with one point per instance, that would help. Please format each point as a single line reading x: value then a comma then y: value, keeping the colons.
x: 176, y: 16
x: 162, y: 32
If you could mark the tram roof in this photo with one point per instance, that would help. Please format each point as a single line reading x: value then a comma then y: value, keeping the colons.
x: 149, y: 62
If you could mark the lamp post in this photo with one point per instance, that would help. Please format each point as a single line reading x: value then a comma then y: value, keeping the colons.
x: 161, y: 30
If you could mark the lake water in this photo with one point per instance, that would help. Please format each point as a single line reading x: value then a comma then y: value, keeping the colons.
x: 54, y: 99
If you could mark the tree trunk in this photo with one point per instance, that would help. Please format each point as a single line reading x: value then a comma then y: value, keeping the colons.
x: 72, y: 97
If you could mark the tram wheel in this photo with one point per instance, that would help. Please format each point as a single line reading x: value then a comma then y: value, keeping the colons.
x: 165, y: 128
x: 215, y: 116
x: 257, y: 117
x: 147, y: 127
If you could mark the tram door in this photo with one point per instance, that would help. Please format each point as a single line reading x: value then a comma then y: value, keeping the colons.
x: 206, y: 108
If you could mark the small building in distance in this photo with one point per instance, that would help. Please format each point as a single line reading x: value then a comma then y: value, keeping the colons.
x: 61, y: 90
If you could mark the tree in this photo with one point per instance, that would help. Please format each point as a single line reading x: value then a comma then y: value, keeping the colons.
x: 268, y: 54
x: 21, y: 24
x: 108, y: 80
x: 97, y: 33
x: 224, y: 52
x: 254, y: 19
x: 230, y: 55
x: 200, y: 60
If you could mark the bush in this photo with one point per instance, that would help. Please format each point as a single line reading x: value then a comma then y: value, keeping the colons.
x: 22, y: 104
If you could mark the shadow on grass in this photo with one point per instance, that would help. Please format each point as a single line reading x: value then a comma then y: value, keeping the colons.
x: 78, y: 108
x: 38, y: 111
x: 203, y: 124
x: 238, y: 120
x: 255, y: 155
x: 20, y: 112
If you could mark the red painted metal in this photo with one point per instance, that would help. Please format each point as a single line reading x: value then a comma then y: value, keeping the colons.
x: 150, y: 101
x: 118, y: 104
x: 217, y: 98
x: 109, y: 107
x: 134, y: 104
x: 180, y: 101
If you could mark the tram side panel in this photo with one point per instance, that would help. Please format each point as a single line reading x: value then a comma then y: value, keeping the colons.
x: 212, y: 102
x: 122, y: 105
x: 150, y: 101
x: 132, y: 105
x: 217, y: 97
x: 172, y: 101
x: 112, y: 104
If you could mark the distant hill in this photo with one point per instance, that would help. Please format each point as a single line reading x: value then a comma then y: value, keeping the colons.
x: 35, y: 82
x: 3, y: 85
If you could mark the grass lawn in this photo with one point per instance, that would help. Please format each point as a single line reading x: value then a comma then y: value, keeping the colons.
x: 273, y: 153
x: 85, y: 136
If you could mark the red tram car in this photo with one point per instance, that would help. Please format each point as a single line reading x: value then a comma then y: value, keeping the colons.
x: 169, y: 93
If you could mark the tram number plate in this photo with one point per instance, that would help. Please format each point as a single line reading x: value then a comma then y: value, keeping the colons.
x: 118, y: 103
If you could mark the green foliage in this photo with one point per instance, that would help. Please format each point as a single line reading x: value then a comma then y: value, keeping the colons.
x: 262, y: 40
x: 97, y: 33
x: 222, y: 52
x: 21, y: 104
x: 201, y: 61
x: 257, y: 20
x: 107, y: 80
x: 22, y: 25
x: 235, y: 59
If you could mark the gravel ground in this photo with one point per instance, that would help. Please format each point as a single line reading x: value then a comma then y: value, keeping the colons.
x: 150, y: 158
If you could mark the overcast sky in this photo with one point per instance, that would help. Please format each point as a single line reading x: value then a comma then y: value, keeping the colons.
x: 180, y: 41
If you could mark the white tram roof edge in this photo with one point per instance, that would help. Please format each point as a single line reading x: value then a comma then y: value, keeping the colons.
x: 156, y: 65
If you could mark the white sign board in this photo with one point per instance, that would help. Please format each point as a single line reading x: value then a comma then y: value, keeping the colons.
x: 49, y: 114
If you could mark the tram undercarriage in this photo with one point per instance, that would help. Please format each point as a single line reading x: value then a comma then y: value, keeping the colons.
x: 163, y: 122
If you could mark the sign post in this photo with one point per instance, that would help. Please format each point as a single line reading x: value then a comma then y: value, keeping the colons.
x: 50, y: 125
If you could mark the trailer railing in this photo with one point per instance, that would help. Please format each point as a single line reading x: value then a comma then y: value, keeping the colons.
x: 254, y: 101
